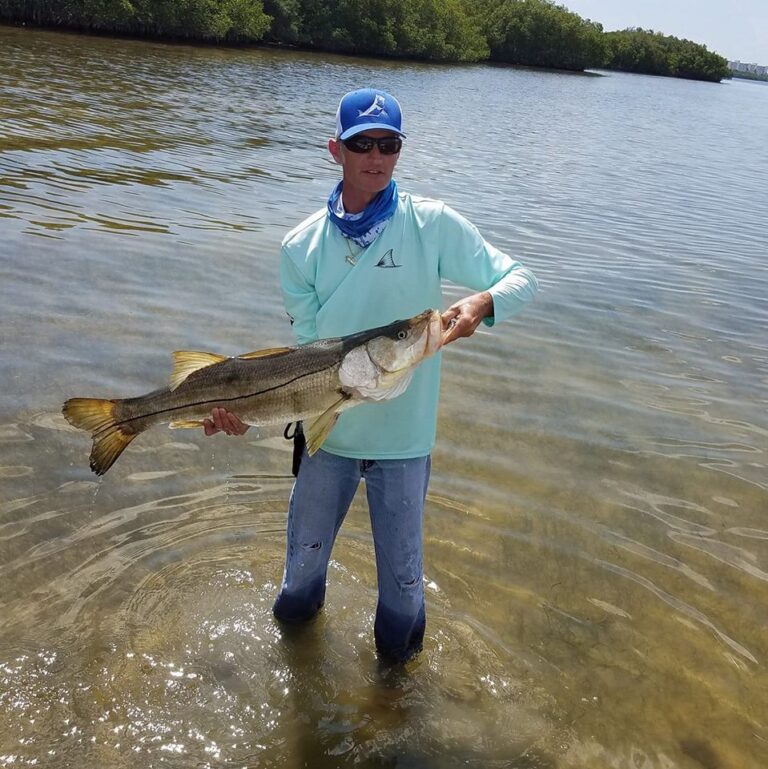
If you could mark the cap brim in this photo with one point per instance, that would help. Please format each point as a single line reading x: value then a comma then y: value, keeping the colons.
x: 370, y: 127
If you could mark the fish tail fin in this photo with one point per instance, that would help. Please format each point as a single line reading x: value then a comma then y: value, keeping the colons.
x: 98, y: 418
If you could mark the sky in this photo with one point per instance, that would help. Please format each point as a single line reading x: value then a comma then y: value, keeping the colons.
x: 736, y: 29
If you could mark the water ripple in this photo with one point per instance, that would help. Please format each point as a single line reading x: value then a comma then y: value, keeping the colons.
x: 683, y: 608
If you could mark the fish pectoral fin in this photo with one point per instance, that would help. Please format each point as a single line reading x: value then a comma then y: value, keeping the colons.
x: 268, y: 353
x: 318, y: 431
x: 186, y: 424
x: 320, y: 427
x: 186, y: 362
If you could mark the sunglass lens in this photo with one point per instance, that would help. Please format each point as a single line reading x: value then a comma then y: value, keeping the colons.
x: 390, y: 146
x: 359, y: 144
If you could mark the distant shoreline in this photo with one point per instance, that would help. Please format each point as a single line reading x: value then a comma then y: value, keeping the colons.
x: 749, y: 76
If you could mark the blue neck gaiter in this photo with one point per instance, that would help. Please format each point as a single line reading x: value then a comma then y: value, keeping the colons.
x: 363, y: 228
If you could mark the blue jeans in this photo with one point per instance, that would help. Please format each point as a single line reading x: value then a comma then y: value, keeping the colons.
x: 321, y: 496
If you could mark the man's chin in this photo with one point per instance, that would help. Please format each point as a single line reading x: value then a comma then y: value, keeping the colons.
x: 376, y: 182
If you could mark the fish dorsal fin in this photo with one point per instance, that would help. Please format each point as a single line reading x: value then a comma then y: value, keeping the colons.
x: 269, y: 352
x: 186, y: 362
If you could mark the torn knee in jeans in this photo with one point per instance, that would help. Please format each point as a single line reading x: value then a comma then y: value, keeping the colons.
x: 409, y: 574
x: 410, y: 583
x: 311, y: 545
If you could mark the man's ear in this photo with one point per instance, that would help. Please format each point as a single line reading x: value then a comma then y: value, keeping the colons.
x: 334, y: 147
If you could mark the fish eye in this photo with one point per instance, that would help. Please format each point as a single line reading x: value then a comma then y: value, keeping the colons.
x: 402, y: 334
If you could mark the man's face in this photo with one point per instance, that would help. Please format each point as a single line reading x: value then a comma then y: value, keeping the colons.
x: 366, y: 173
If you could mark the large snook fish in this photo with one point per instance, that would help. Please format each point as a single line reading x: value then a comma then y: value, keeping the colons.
x: 274, y: 386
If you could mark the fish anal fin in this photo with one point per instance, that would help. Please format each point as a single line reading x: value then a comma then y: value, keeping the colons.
x: 269, y: 352
x: 186, y: 424
x: 321, y: 426
x: 186, y: 362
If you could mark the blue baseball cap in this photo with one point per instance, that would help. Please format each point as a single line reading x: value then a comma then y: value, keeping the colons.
x: 365, y: 109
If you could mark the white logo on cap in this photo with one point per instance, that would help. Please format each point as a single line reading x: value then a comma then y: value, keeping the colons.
x: 376, y: 109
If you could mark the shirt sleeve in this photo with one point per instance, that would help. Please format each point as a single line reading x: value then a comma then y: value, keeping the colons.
x: 300, y: 299
x: 468, y: 259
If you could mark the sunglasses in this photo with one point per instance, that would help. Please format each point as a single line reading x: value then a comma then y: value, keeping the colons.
x: 389, y: 145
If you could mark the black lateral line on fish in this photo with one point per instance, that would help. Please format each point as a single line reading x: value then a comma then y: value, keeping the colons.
x: 202, y: 403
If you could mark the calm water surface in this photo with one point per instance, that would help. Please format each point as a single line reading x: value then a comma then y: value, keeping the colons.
x: 596, y: 535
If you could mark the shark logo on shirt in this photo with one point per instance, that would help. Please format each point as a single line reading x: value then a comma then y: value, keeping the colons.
x: 376, y: 109
x: 388, y: 261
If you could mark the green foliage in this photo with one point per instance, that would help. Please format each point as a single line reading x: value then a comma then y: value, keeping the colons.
x: 542, y: 34
x: 422, y: 29
x: 214, y: 20
x: 286, y: 20
x: 649, y: 52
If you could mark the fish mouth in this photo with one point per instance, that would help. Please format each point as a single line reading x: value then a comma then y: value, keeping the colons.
x: 434, y: 332
x: 429, y: 326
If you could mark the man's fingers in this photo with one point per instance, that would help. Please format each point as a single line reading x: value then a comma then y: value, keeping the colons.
x: 234, y: 425
x: 218, y: 415
x: 221, y: 418
x: 462, y: 326
x: 230, y: 428
x: 449, y: 316
x: 223, y: 421
x: 209, y: 428
x: 451, y: 331
x: 451, y: 320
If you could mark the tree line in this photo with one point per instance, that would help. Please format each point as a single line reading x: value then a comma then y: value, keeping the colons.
x: 526, y: 32
x: 649, y: 52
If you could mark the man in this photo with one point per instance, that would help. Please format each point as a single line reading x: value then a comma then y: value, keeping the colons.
x: 374, y: 255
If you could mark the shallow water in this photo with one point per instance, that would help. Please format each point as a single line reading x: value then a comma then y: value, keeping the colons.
x: 596, y: 544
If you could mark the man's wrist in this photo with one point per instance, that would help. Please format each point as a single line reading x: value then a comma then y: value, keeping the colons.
x: 487, y: 305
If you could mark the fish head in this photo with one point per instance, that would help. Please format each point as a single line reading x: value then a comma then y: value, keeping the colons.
x: 404, y: 344
x: 382, y: 366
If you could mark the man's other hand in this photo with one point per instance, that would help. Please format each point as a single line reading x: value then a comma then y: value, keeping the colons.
x: 223, y: 421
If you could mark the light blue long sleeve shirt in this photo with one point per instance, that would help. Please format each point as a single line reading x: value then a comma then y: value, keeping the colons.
x: 328, y: 294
